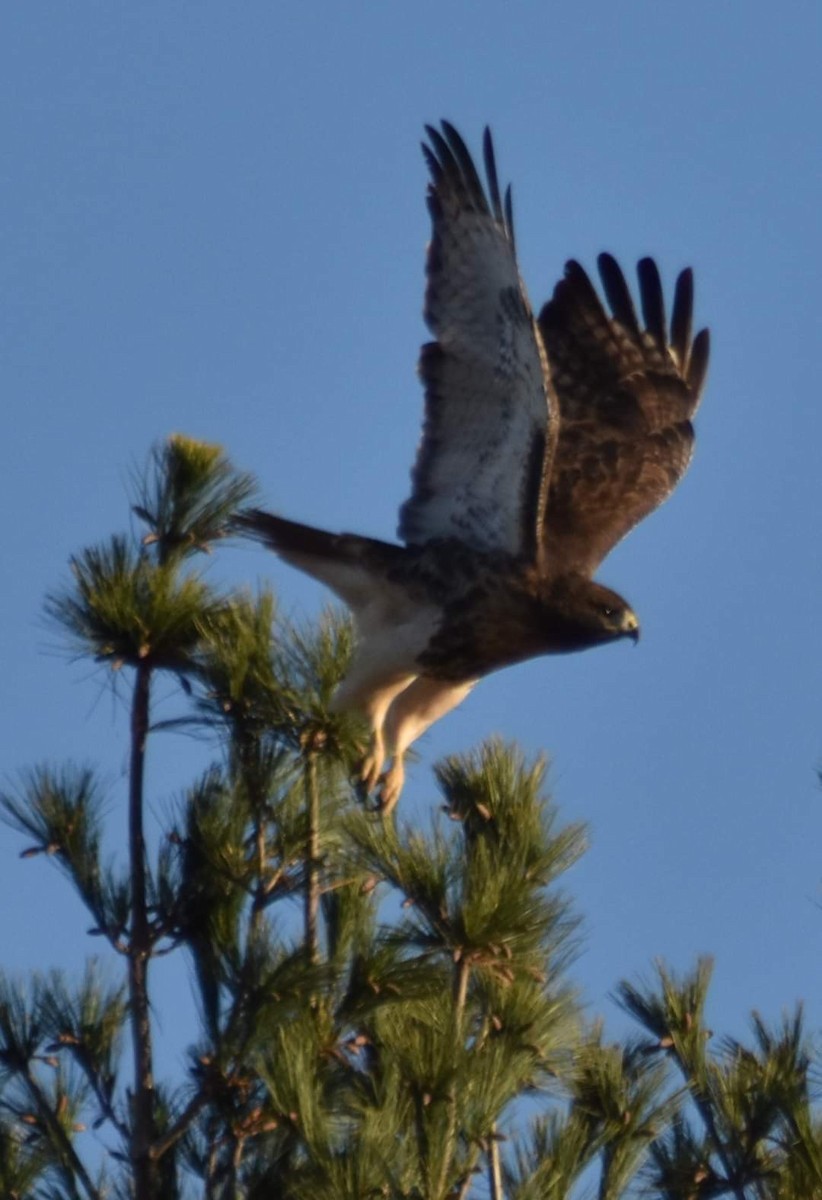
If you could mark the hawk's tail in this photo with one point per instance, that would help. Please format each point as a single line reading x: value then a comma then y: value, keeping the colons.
x: 345, y: 562
x: 285, y: 537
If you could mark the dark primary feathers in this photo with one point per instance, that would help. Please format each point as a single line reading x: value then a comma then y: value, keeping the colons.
x: 626, y: 394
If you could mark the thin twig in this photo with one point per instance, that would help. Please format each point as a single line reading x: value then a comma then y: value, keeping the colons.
x: 180, y: 1126
x: 468, y: 1180
x: 59, y: 1136
x: 260, y: 888
x: 423, y: 1149
x: 103, y: 1099
x: 703, y: 1107
x: 460, y: 994
x: 212, y: 1167
x: 461, y: 978
x: 494, y: 1169
x: 312, y: 853
x: 236, y: 1163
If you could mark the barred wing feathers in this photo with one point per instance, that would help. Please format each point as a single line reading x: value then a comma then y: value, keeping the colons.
x: 480, y: 474
x: 626, y: 394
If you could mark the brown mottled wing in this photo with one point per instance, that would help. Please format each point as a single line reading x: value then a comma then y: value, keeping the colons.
x: 626, y: 393
x: 480, y: 470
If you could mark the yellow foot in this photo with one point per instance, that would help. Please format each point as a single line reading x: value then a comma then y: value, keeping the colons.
x: 369, y: 771
x: 391, y: 786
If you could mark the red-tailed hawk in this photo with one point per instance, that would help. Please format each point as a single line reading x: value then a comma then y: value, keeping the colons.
x: 544, y: 442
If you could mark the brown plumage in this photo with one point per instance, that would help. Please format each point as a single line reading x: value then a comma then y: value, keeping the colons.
x: 544, y: 442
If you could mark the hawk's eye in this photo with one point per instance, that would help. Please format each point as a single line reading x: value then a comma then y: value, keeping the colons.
x: 608, y: 611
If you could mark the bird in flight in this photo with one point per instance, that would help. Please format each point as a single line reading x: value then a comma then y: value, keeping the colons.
x: 545, y: 440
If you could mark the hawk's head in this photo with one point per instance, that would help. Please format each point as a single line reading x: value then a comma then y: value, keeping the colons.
x: 582, y: 613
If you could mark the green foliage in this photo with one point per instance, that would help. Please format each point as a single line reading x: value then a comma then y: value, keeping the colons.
x: 188, y: 496
x: 379, y: 1004
x: 125, y: 609
x: 62, y: 810
x: 749, y: 1129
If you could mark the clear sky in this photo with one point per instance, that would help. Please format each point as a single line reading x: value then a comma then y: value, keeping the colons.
x: 213, y: 222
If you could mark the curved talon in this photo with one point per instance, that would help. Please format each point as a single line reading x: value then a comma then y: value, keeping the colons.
x: 391, y: 786
x: 370, y: 771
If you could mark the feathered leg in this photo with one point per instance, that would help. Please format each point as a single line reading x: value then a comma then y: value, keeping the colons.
x: 370, y: 693
x: 415, y: 708
x: 394, y: 625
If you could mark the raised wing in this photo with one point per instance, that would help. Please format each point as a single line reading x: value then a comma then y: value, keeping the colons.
x: 626, y: 392
x: 480, y: 471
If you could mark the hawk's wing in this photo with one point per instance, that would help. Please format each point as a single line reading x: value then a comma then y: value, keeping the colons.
x: 626, y: 393
x: 480, y: 470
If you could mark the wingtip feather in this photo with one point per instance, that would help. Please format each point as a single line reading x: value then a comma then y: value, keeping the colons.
x: 456, y: 180
x: 617, y: 291
x: 489, y: 159
x: 698, y: 361
x: 682, y: 316
x: 652, y: 300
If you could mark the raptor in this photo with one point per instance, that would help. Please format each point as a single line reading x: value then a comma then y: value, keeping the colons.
x: 545, y: 440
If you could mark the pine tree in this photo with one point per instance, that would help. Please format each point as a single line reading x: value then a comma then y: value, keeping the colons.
x: 380, y: 1007
x: 746, y: 1127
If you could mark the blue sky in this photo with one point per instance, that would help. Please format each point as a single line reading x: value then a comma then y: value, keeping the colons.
x: 213, y: 222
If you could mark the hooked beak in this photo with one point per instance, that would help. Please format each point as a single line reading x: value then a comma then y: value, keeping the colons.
x: 630, y: 626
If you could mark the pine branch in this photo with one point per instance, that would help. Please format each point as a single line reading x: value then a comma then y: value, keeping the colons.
x: 262, y: 886
x: 674, y: 1016
x: 423, y: 1148
x: 85, y: 1024
x: 180, y: 1127
x: 705, y: 1110
x: 495, y: 1169
x: 61, y: 809
x: 462, y: 975
x: 59, y: 1138
x: 461, y: 980
x: 140, y: 947
x: 465, y: 1186
x: 188, y: 496
x: 312, y: 860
